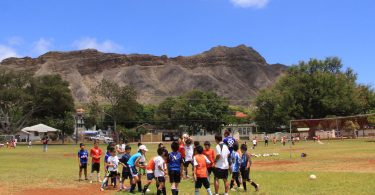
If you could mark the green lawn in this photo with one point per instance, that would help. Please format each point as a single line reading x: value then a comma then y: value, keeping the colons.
x: 341, y: 167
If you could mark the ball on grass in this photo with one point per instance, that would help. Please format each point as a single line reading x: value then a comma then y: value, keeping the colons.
x: 312, y: 177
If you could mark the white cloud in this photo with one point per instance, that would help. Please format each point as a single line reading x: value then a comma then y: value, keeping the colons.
x: 92, y: 43
x: 7, y: 52
x: 250, y: 3
x: 42, y: 46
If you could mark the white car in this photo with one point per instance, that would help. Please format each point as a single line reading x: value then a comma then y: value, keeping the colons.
x: 102, y: 138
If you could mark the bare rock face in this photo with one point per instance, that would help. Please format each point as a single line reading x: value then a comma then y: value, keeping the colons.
x: 236, y: 73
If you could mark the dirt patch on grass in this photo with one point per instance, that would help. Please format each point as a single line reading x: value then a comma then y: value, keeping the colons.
x: 371, y: 162
x: 82, y: 190
x: 70, y: 155
x: 272, y: 163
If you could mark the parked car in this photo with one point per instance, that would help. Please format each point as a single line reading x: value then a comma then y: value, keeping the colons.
x: 102, y: 138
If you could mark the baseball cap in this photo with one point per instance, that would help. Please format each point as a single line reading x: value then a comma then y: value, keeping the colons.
x: 81, y: 144
x: 143, y: 147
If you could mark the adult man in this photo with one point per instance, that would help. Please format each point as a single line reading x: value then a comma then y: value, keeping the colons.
x: 266, y: 138
x: 221, y: 164
x: 45, y: 142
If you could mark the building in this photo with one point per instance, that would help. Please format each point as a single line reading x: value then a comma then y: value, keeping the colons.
x: 36, y: 132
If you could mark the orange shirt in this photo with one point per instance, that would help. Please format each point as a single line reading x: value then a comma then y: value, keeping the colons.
x: 151, y: 165
x: 96, y: 153
x: 200, y: 164
x: 210, y: 154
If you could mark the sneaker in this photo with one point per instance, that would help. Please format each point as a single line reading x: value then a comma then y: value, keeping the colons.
x: 148, y: 190
x: 234, y: 190
x: 102, y: 189
x: 91, y: 181
x: 257, y: 188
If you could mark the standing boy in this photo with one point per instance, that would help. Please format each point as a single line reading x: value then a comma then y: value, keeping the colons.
x: 235, y: 159
x: 174, y: 167
x: 95, y: 154
x: 82, y: 161
x: 210, y: 154
x: 221, y: 164
x: 160, y: 170
x: 112, y: 165
x: 245, y: 168
x: 125, y: 170
x: 200, y: 171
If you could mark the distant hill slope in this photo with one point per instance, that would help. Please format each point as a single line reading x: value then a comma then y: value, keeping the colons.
x: 233, y: 72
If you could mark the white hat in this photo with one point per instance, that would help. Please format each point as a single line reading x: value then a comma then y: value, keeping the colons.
x: 143, y: 147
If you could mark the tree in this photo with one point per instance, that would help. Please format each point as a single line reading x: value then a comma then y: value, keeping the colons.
x: 313, y: 89
x: 122, y: 103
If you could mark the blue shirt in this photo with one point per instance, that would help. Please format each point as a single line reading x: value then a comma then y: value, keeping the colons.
x: 133, y: 158
x: 229, y: 141
x: 244, y: 160
x: 83, y: 156
x: 236, y: 160
x: 107, y: 155
x: 124, y: 159
x: 174, y: 161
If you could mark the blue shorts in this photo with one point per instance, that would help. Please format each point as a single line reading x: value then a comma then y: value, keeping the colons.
x: 133, y: 171
x: 150, y: 176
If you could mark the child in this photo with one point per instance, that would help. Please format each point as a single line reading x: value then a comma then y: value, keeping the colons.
x: 133, y: 162
x: 189, y: 152
x: 30, y: 144
x: 181, y: 149
x: 95, y: 154
x: 160, y: 170
x: 210, y: 154
x: 82, y: 161
x: 235, y: 159
x: 174, y: 167
x: 125, y: 170
x: 245, y: 168
x: 254, y: 142
x: 200, y: 171
x: 150, y: 175
x: 112, y: 164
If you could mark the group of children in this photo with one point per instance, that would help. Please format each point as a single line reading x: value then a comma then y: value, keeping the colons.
x: 174, y: 164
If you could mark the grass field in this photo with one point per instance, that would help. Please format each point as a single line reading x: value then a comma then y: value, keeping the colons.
x: 341, y: 167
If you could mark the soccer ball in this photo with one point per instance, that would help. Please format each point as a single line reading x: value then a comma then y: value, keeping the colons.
x: 312, y: 177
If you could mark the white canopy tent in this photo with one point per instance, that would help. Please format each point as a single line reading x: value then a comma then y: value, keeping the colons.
x: 36, y: 132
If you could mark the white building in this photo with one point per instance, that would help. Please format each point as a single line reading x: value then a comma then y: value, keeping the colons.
x: 36, y: 132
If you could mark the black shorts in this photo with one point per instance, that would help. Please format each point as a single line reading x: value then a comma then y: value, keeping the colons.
x: 221, y: 173
x: 245, y: 174
x: 113, y: 174
x: 235, y: 175
x: 210, y: 170
x: 202, y: 181
x: 186, y: 163
x: 126, y: 175
x: 83, y: 166
x: 160, y: 179
x: 266, y: 141
x: 174, y: 176
x: 150, y: 176
x: 95, y: 167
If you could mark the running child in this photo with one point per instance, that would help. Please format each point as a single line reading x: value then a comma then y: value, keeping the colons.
x: 235, y: 166
x: 174, y: 167
x: 210, y: 154
x: 82, y: 161
x: 150, y: 175
x: 200, y: 171
x: 133, y: 163
x: 95, y: 154
x: 112, y: 166
x: 125, y: 170
x: 245, y: 168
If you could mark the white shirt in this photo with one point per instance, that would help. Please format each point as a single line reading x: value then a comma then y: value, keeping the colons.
x: 159, y: 161
x: 142, y: 159
x: 254, y: 141
x: 114, y: 161
x: 121, y: 147
x: 189, y: 152
x: 222, y: 163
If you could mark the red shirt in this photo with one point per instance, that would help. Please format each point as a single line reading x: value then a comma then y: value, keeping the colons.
x: 181, y: 149
x: 210, y: 154
x: 200, y: 165
x: 96, y: 153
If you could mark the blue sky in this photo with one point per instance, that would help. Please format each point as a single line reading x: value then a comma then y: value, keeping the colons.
x: 283, y: 31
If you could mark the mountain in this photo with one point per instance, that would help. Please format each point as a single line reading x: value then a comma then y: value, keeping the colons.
x: 233, y: 72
